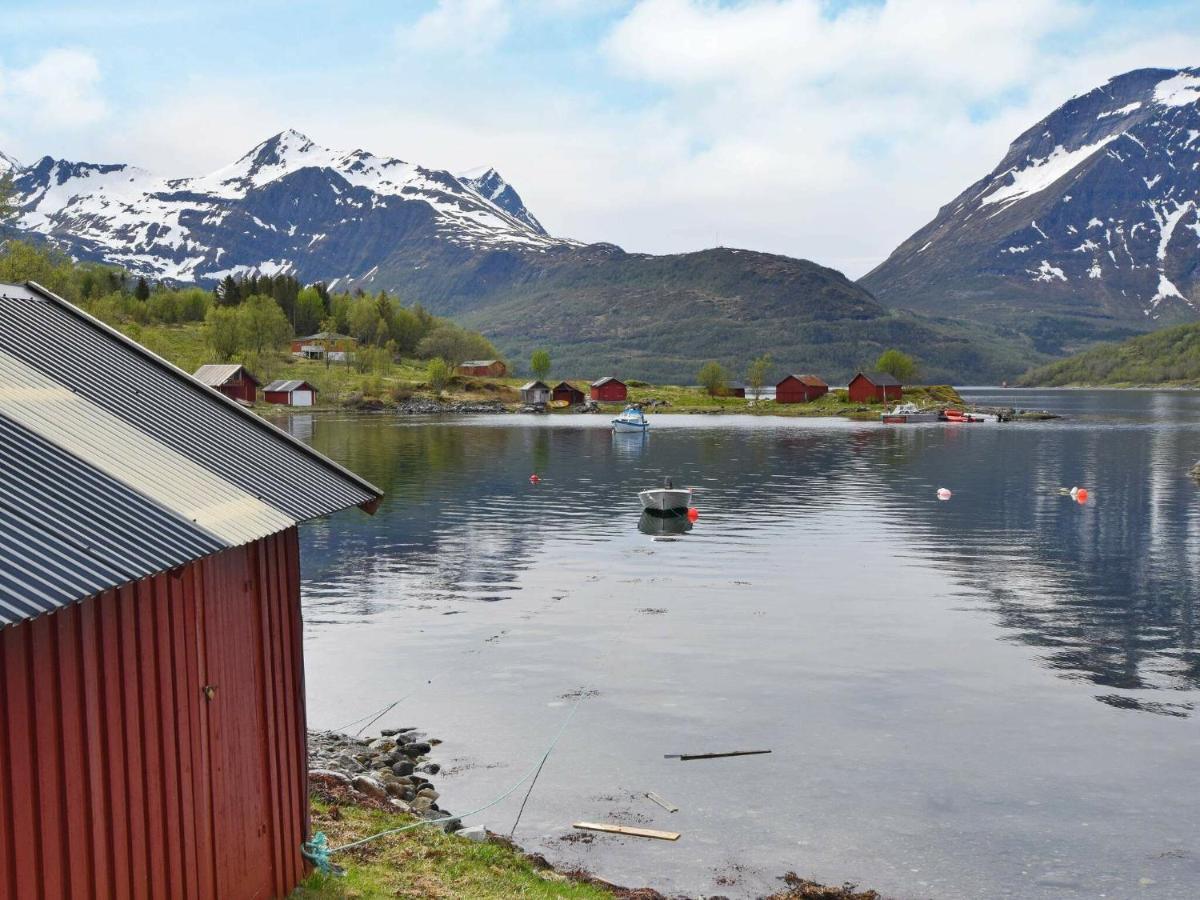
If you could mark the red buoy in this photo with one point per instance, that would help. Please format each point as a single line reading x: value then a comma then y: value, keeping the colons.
x: 533, y: 479
x: 693, y: 514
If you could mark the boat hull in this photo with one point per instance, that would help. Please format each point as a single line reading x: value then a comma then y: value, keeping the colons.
x: 907, y: 418
x: 665, y: 500
x: 629, y: 427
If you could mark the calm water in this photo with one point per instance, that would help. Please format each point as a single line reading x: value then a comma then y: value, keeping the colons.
x: 995, y: 696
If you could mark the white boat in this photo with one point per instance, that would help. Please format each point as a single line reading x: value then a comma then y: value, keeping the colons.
x: 666, y: 499
x: 631, y: 420
x: 904, y: 413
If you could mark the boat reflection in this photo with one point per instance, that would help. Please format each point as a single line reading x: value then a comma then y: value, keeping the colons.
x: 664, y: 526
x: 630, y: 443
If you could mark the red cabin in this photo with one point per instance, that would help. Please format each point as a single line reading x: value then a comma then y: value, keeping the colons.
x: 152, y: 706
x: 878, y: 387
x: 610, y: 390
x: 290, y: 393
x: 483, y: 368
x: 800, y: 389
x: 567, y: 392
x: 231, y: 380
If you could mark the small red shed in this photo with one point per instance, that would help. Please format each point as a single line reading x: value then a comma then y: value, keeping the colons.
x: 877, y: 387
x: 152, y: 713
x: 610, y: 389
x: 290, y: 393
x: 800, y: 389
x: 483, y: 368
x: 567, y: 392
x: 232, y: 380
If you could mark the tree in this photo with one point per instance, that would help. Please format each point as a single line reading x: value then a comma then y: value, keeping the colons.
x: 223, y: 331
x: 142, y: 291
x: 228, y: 292
x: 756, y: 375
x: 262, y: 323
x: 8, y: 209
x: 713, y: 378
x: 438, y: 373
x: 308, y: 311
x: 453, y: 344
x: 539, y: 363
x: 899, y: 365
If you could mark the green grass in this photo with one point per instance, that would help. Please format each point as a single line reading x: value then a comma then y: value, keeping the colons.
x: 428, y: 864
x: 835, y: 403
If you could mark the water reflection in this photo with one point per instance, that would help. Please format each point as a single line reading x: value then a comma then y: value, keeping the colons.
x: 1106, y: 592
x: 665, y: 525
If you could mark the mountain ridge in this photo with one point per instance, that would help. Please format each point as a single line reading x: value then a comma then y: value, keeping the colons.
x: 465, y: 245
x: 1081, y: 232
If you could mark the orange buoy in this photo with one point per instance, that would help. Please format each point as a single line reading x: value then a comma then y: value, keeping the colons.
x: 1081, y: 495
x: 533, y: 479
x: 944, y: 494
x: 693, y: 514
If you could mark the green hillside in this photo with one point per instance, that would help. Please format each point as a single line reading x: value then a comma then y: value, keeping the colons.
x: 1167, y: 357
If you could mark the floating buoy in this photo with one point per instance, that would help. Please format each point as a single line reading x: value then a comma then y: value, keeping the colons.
x: 1081, y: 495
x: 533, y: 479
x: 1073, y: 491
x: 693, y: 514
x: 944, y: 494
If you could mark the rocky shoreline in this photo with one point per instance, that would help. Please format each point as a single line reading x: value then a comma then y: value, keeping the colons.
x: 390, y: 770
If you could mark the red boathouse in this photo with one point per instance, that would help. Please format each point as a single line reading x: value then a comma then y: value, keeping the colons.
x: 800, y: 389
x: 231, y: 380
x: 877, y: 387
x: 152, y: 715
x: 610, y: 390
x: 566, y: 392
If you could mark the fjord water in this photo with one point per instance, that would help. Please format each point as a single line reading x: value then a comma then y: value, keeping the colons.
x: 995, y: 696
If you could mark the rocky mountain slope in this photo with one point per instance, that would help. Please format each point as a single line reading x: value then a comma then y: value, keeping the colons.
x: 467, y: 246
x: 1088, y: 228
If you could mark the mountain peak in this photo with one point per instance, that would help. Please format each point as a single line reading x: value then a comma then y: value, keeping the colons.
x: 490, y: 185
x: 1086, y: 230
x: 8, y: 164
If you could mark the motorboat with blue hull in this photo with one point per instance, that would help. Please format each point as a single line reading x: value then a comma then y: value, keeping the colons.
x: 631, y: 420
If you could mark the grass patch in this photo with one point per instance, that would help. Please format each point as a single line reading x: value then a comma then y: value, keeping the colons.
x: 426, y: 863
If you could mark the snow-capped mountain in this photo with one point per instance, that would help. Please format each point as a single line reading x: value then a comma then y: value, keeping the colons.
x: 289, y: 205
x: 7, y: 164
x: 1089, y: 227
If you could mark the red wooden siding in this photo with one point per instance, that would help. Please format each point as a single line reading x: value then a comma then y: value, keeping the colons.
x: 611, y: 391
x: 242, y: 389
x: 863, y: 390
x: 792, y: 390
x: 118, y: 778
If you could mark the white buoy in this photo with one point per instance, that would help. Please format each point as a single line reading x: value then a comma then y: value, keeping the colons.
x: 944, y: 494
x: 1074, y: 491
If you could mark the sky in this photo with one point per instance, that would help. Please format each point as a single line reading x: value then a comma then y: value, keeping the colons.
x: 823, y: 129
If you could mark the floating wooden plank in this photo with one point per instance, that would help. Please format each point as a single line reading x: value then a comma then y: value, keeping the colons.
x: 687, y: 756
x: 669, y: 807
x: 625, y: 829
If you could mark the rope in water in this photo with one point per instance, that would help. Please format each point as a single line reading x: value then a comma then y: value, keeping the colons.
x: 319, y: 852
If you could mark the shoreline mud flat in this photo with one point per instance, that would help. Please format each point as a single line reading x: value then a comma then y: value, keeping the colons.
x: 391, y: 772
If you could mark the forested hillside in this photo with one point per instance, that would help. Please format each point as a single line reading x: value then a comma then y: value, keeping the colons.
x: 1170, y: 356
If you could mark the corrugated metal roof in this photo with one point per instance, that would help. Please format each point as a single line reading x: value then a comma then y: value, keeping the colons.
x: 882, y: 379
x: 115, y: 465
x: 535, y: 384
x: 112, y: 445
x: 118, y: 375
x: 478, y: 362
x: 292, y: 385
x: 605, y: 380
x: 809, y: 380
x: 79, y: 531
x: 217, y: 374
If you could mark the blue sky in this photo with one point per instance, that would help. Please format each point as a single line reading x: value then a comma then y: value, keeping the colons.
x: 823, y: 130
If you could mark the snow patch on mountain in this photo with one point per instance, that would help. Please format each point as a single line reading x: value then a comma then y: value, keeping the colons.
x: 1041, y: 173
x: 8, y: 164
x: 1179, y: 90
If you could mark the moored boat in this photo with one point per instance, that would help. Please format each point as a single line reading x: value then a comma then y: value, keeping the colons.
x: 631, y: 419
x: 905, y: 413
x: 666, y: 499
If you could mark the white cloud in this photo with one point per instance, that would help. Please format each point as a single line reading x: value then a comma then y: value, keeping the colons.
x: 60, y: 90
x: 464, y: 27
